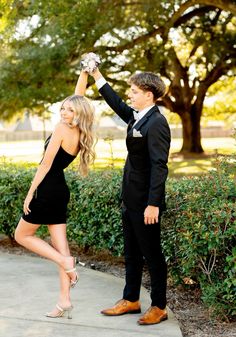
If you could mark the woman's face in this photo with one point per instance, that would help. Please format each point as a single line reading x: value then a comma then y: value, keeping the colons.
x: 67, y: 112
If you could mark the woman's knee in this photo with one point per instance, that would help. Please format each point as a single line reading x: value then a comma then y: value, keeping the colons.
x: 18, y: 235
x: 23, y: 230
x: 61, y: 248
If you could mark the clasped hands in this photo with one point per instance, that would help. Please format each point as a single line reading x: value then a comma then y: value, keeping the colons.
x: 90, y: 62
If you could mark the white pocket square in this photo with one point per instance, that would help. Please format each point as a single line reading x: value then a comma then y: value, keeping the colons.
x: 137, y: 133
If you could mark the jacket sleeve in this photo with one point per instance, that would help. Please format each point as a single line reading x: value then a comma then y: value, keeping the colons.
x: 115, y: 102
x: 158, y: 148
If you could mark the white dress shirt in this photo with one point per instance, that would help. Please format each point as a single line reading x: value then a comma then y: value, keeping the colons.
x: 100, y: 82
x: 139, y: 115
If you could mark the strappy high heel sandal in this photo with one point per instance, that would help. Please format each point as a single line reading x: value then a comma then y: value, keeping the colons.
x: 73, y: 270
x: 61, y: 312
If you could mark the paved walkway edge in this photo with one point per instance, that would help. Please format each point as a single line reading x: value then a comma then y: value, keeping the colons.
x: 29, y: 288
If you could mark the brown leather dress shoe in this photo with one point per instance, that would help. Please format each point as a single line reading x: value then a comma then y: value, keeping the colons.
x: 123, y: 307
x: 153, y: 315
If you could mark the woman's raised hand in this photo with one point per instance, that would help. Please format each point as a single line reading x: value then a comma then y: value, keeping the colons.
x: 90, y: 62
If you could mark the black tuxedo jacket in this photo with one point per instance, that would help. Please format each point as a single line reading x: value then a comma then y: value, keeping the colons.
x: 148, y: 144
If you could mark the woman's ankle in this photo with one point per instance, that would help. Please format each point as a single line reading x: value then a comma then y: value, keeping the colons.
x: 64, y: 302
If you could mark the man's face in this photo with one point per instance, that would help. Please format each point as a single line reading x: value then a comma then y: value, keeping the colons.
x: 139, y: 99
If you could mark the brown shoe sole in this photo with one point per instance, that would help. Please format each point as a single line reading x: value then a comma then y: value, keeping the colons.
x: 138, y: 311
x: 161, y: 320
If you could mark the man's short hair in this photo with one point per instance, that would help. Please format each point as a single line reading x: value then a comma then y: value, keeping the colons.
x: 148, y: 81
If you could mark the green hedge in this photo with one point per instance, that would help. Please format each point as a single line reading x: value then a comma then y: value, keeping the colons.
x: 94, y: 212
x: 14, y: 182
x: 198, y: 228
x: 200, y: 235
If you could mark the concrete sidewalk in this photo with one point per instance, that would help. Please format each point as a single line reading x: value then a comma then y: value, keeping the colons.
x: 29, y: 288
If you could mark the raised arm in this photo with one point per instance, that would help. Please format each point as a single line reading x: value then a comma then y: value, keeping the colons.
x: 113, y: 100
x: 81, y: 83
x: 96, y: 74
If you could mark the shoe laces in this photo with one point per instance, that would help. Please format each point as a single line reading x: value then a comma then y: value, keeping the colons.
x: 122, y: 302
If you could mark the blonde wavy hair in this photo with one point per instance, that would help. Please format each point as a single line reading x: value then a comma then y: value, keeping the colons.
x: 83, y: 119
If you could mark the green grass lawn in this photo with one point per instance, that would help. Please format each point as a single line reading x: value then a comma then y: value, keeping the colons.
x: 178, y: 165
x: 113, y: 154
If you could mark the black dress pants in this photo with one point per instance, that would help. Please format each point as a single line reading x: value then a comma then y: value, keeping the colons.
x: 143, y: 242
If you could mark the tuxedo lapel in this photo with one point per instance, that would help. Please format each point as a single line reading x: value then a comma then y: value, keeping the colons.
x: 145, y: 118
x: 130, y: 125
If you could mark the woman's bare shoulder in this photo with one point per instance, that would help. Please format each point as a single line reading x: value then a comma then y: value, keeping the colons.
x: 61, y: 127
x: 64, y: 131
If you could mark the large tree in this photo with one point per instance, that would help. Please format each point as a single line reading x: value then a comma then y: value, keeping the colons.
x: 190, y: 43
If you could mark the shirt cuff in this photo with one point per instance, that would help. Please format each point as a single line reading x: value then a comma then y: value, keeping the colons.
x: 100, y: 82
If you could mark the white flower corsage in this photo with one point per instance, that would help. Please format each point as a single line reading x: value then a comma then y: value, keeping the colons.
x: 90, y: 62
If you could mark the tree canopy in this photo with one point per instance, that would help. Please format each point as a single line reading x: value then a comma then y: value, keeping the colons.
x: 190, y: 43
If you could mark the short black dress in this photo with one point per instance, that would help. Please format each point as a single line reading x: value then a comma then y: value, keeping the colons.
x: 49, y: 203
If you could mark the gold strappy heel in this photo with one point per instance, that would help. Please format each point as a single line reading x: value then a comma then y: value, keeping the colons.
x: 73, y: 270
x: 61, y: 312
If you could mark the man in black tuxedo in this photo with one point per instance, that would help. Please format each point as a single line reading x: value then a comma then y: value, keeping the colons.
x: 143, y: 192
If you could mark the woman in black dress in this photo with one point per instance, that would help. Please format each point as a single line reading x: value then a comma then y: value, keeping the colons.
x: 48, y: 196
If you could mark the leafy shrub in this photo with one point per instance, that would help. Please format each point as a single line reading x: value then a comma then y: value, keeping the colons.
x: 198, y: 228
x: 199, y: 235
x: 94, y: 211
x: 14, y: 181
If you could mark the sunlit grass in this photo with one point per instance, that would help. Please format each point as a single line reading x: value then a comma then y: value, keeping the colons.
x: 112, y: 154
x: 190, y: 166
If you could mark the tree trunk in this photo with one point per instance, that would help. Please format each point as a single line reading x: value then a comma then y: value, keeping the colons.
x: 191, y: 131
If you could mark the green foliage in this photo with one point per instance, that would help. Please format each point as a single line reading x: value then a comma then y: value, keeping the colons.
x: 14, y: 183
x: 94, y: 212
x: 198, y: 228
x: 41, y: 50
x: 199, y: 235
x: 222, y: 103
x: 41, y: 47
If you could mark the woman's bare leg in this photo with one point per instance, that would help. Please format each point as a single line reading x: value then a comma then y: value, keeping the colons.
x: 24, y: 235
x: 60, y: 243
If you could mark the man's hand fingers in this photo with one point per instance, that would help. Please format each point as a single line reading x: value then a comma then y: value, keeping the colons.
x: 150, y: 220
